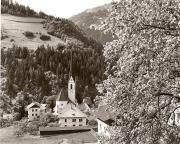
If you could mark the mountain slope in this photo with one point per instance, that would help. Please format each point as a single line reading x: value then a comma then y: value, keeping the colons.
x: 90, y: 17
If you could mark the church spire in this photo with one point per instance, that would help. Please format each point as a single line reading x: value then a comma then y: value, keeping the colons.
x: 70, y: 72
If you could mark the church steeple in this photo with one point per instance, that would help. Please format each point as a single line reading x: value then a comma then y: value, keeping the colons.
x: 71, y: 84
x: 70, y: 71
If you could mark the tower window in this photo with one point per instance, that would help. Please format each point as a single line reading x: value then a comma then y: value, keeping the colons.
x: 71, y: 86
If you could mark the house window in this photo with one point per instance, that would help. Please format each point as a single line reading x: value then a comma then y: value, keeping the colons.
x: 74, y: 125
x: 71, y: 86
x: 36, y: 109
x: 32, y: 109
x: 61, y: 104
x: 65, y: 120
x: 80, y: 124
x: 73, y: 120
x: 65, y: 125
x: 80, y: 120
x: 32, y: 114
x: 36, y: 114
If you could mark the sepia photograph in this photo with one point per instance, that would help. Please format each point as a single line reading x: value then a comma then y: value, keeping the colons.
x: 90, y: 72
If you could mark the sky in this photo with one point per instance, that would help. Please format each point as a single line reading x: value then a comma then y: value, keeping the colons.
x: 62, y: 8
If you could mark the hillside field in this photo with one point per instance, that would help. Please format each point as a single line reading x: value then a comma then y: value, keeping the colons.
x: 13, y: 27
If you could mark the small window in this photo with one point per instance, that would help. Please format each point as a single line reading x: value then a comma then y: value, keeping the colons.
x: 36, y: 114
x: 73, y: 120
x: 80, y: 120
x: 71, y: 86
x: 61, y: 104
x: 65, y: 125
x: 65, y: 120
x: 32, y: 109
x: 74, y: 125
x: 32, y: 114
x: 36, y: 109
x: 80, y: 124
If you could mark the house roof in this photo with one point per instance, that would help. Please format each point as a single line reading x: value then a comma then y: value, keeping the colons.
x: 63, y: 95
x: 33, y: 104
x: 106, y: 115
x: 71, y: 111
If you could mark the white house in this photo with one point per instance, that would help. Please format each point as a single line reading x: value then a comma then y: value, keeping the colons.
x: 33, y: 111
x: 105, y: 119
x: 72, y: 116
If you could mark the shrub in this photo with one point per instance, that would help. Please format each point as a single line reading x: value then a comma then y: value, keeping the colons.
x: 17, y: 116
x: 19, y: 133
x: 45, y: 37
x: 47, y: 118
x: 29, y: 34
x: 53, y: 125
x: 11, y: 40
x: 5, y: 122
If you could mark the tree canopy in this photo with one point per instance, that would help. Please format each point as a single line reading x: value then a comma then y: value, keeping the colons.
x: 143, y: 70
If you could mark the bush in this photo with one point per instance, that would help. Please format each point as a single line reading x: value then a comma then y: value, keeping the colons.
x: 45, y: 37
x: 53, y: 125
x: 29, y: 34
x: 47, y: 118
x: 3, y: 122
x: 17, y: 116
x: 19, y: 133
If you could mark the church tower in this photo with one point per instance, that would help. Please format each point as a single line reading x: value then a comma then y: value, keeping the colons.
x: 71, y: 85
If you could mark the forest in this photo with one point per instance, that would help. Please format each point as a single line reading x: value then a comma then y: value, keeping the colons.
x: 13, y: 8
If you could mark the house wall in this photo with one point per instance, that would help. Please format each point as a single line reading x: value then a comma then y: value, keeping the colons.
x: 33, y: 113
x: 103, y: 128
x: 69, y: 122
x: 59, y: 106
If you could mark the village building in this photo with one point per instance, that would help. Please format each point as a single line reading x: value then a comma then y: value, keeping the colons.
x: 105, y: 120
x: 36, y: 109
x: 72, y: 116
x: 33, y: 111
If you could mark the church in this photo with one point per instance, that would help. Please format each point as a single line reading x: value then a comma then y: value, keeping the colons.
x: 67, y: 108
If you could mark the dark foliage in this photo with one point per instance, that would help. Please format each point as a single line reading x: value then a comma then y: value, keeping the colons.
x: 26, y: 70
x: 29, y: 34
x: 45, y: 37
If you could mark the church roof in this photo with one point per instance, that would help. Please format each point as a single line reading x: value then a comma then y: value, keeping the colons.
x: 63, y: 95
x: 71, y: 111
